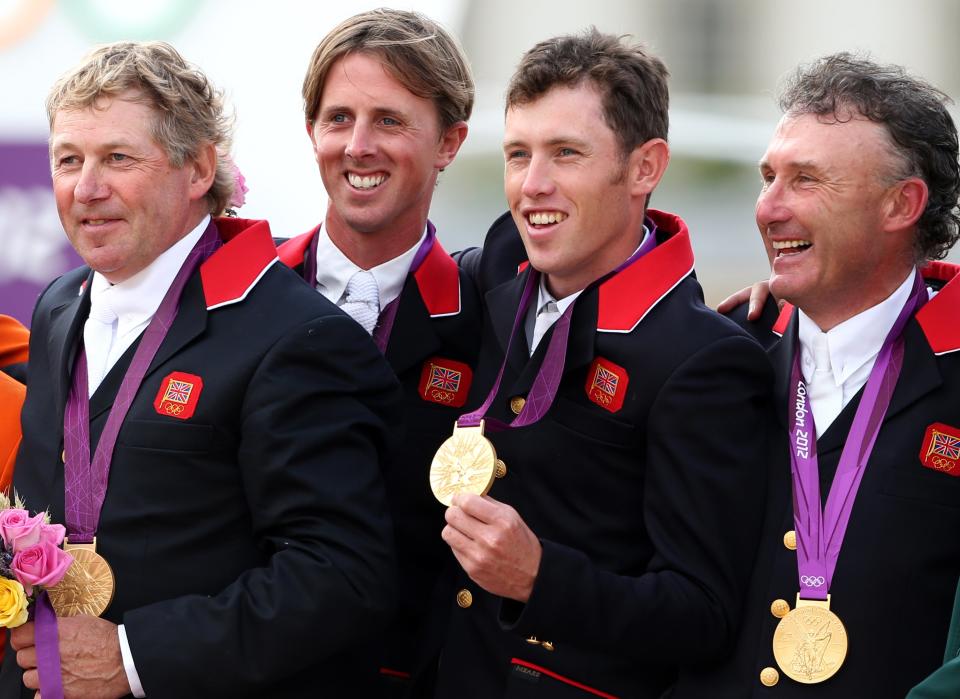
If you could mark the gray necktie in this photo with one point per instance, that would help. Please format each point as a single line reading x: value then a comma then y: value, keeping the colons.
x: 546, y: 317
x: 361, y: 300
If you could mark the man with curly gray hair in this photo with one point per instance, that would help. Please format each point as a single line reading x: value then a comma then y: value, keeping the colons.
x: 854, y: 581
x: 208, y: 429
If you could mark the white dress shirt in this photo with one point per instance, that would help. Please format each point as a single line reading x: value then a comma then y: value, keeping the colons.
x: 132, y: 304
x: 334, y: 271
x: 847, y: 353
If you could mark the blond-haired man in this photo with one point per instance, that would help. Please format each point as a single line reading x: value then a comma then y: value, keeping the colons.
x: 387, y: 96
x: 210, y: 426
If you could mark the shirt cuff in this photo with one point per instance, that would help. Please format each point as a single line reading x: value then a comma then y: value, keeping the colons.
x: 132, y: 677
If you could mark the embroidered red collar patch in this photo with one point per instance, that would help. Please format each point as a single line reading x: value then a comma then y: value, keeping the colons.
x: 941, y: 449
x: 607, y: 384
x: 445, y: 381
x: 178, y: 395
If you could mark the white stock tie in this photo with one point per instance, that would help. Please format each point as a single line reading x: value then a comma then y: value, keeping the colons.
x: 98, y: 336
x: 361, y: 300
x: 546, y: 317
x: 826, y: 398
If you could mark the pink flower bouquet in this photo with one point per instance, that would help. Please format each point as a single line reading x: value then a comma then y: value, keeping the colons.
x: 30, y: 558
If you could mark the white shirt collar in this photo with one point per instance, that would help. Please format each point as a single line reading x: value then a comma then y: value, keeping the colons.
x: 857, y: 340
x: 136, y: 299
x: 544, y: 297
x: 334, y: 270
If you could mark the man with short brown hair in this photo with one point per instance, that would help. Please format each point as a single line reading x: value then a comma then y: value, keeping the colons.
x: 854, y: 582
x: 615, y: 546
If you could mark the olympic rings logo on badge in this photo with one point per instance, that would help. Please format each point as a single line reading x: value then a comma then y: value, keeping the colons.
x: 943, y: 464
x: 812, y: 580
x: 601, y: 397
x: 442, y: 396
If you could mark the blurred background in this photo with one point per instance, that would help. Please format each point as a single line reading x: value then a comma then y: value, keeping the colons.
x: 727, y: 58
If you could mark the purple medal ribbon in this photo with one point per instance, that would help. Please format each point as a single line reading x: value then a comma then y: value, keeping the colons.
x: 85, y: 481
x: 48, y: 648
x: 547, y: 381
x: 820, y: 532
x: 381, y: 333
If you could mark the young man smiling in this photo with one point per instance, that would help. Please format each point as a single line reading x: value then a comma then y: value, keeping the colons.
x: 386, y: 97
x: 616, y: 547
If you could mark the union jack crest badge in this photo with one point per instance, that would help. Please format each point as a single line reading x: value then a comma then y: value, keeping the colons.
x: 607, y: 384
x: 941, y: 449
x: 445, y: 381
x: 178, y: 395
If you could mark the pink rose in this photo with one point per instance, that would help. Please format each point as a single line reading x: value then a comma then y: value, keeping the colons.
x: 41, y: 564
x: 18, y: 529
x: 54, y: 533
x: 239, y: 197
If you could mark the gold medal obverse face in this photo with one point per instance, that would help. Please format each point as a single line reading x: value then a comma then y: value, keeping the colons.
x: 465, y: 462
x: 87, y: 587
x: 810, y: 644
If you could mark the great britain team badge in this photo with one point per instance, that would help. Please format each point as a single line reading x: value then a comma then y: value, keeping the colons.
x: 607, y: 384
x: 445, y: 381
x: 178, y: 395
x: 941, y: 449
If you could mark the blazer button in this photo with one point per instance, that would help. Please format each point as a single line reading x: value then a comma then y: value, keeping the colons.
x: 769, y: 677
x: 464, y: 599
x: 780, y: 608
x: 533, y: 641
x: 790, y: 540
x: 63, y: 456
x: 546, y: 645
x: 517, y: 403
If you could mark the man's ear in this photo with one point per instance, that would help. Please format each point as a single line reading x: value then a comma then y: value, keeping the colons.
x: 204, y: 166
x: 646, y: 166
x: 905, y: 203
x: 450, y: 141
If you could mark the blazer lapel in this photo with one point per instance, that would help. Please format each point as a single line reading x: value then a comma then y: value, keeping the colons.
x: 502, y: 303
x: 190, y: 322
x: 781, y: 356
x: 581, y: 346
x: 66, y: 329
x: 413, y: 337
x: 920, y: 374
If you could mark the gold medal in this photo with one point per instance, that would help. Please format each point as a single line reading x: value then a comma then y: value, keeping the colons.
x: 87, y: 587
x: 465, y: 462
x: 810, y: 643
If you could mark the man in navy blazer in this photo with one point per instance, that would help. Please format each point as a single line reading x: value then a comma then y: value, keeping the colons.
x: 859, y: 195
x: 244, y: 516
x: 618, y: 544
x: 387, y: 97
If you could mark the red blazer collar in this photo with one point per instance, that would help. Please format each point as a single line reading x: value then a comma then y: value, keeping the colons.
x: 783, y: 320
x: 231, y: 272
x: 936, y: 318
x: 628, y: 296
x: 293, y: 250
x: 438, y: 279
